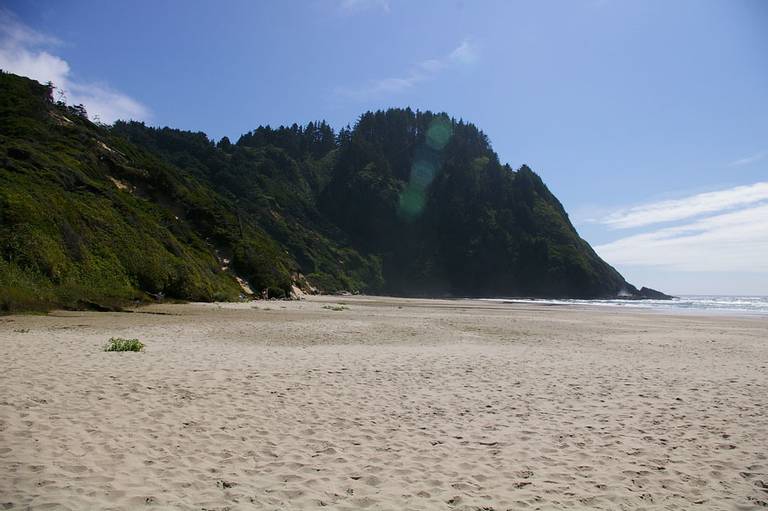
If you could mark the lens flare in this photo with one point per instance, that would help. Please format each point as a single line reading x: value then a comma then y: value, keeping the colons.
x: 439, y: 133
x: 426, y: 164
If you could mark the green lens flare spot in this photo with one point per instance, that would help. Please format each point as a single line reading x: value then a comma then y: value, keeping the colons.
x: 422, y: 173
x: 411, y: 202
x: 439, y: 132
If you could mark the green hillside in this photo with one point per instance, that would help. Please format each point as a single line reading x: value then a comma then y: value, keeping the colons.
x: 409, y: 203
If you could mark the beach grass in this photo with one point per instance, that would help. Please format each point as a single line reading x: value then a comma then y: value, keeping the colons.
x: 120, y: 344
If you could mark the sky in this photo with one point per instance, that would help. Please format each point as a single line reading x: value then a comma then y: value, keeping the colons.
x: 647, y: 119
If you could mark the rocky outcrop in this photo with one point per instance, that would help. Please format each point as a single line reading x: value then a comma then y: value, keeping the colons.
x: 646, y: 293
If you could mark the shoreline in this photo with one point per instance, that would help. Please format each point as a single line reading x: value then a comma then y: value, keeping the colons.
x: 596, y: 304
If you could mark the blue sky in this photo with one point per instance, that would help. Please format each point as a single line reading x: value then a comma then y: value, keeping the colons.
x: 649, y: 120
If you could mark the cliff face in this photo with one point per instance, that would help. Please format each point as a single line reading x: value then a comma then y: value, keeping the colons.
x: 403, y: 203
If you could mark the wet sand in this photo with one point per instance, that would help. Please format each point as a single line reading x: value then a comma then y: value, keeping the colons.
x: 386, y: 404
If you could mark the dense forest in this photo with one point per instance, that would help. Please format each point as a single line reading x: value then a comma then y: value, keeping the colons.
x: 403, y: 202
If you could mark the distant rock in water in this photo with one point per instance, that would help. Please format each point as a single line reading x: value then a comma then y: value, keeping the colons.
x: 403, y: 203
x: 651, y: 294
x: 630, y: 292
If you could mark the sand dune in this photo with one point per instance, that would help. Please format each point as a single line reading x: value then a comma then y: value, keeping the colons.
x: 389, y: 404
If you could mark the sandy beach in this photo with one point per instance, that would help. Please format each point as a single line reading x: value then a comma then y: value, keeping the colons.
x: 383, y: 403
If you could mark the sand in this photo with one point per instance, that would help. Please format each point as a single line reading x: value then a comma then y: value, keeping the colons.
x: 387, y: 404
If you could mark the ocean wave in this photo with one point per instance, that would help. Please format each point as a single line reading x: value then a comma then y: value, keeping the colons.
x: 686, y: 303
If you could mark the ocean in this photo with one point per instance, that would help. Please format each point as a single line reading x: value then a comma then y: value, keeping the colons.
x: 741, y: 305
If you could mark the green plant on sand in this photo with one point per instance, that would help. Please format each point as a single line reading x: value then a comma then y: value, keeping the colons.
x: 120, y: 344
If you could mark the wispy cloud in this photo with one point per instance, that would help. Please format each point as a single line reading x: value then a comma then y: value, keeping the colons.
x: 24, y: 51
x: 465, y: 53
x: 360, y: 5
x: 724, y: 230
x: 688, y: 207
x: 729, y: 242
x: 749, y: 159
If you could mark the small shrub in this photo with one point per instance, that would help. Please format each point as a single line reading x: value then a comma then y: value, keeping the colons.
x: 120, y: 344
